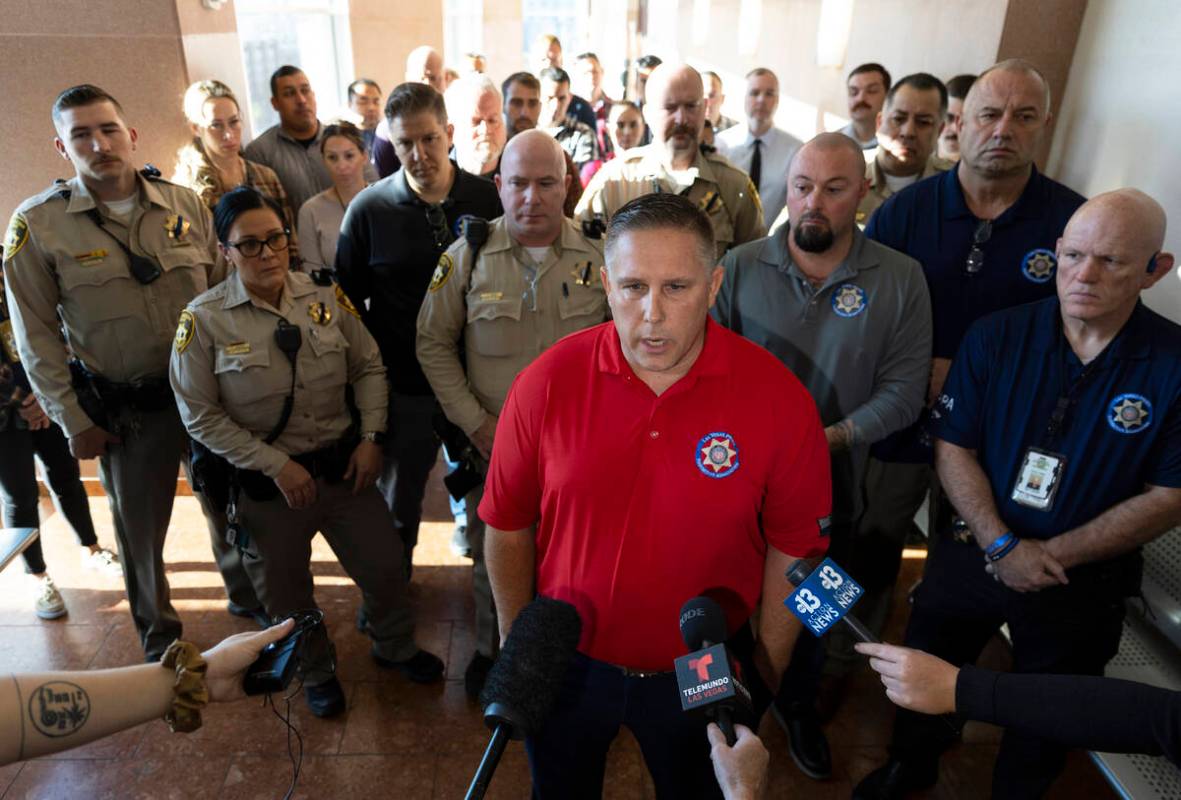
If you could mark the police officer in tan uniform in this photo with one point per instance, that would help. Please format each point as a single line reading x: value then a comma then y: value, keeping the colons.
x: 262, y: 365
x: 675, y: 112
x: 117, y: 255
x: 531, y: 282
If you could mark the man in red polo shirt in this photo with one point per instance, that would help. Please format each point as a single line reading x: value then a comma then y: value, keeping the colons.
x: 638, y: 464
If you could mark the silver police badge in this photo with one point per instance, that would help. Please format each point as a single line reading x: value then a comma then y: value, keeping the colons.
x: 849, y: 300
x: 1038, y: 265
x: 1129, y: 413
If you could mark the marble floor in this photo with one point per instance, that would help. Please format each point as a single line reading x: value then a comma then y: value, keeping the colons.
x: 397, y: 740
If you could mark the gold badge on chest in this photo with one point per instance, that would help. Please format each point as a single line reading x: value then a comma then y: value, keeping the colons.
x: 176, y: 226
x: 320, y: 313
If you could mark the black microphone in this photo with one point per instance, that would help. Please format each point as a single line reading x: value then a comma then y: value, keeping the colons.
x: 705, y: 677
x: 523, y: 684
x: 798, y: 572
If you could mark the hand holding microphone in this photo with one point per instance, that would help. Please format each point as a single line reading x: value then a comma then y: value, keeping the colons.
x: 708, y: 678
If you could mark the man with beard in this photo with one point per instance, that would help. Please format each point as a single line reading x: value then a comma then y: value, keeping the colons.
x: 473, y: 106
x: 522, y: 110
x: 674, y: 164
x: 852, y: 320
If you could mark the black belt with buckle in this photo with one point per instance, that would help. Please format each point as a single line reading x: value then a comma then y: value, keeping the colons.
x: 628, y: 672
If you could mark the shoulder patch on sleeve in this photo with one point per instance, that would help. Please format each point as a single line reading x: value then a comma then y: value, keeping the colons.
x: 17, y: 235
x: 344, y: 302
x: 185, y: 330
x: 443, y: 271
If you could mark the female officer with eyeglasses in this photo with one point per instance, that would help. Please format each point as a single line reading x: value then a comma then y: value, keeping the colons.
x: 262, y: 367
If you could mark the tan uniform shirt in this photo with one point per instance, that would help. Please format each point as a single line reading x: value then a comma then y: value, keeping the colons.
x: 719, y: 188
x: 231, y: 378
x: 508, y: 310
x: 57, y: 260
x: 879, y: 190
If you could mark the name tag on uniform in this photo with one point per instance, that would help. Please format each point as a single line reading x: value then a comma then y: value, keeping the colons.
x: 486, y: 296
x: 93, y: 257
x: 1038, y: 479
x: 237, y: 349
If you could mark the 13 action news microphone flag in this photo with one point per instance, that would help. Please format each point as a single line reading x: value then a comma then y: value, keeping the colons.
x: 824, y: 596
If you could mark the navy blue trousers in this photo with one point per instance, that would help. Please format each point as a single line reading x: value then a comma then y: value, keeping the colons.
x: 567, y: 758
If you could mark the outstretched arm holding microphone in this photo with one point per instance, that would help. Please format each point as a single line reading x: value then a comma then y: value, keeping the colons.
x: 43, y: 713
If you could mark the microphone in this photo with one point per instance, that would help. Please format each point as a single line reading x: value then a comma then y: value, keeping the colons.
x: 523, y: 684
x: 823, y: 596
x: 704, y: 677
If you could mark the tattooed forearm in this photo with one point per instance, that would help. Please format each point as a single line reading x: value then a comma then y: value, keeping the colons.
x: 58, y: 708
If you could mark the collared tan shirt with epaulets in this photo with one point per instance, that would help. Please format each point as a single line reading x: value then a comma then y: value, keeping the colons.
x: 231, y: 378
x: 879, y: 190
x: 508, y: 309
x: 57, y: 260
x: 719, y: 188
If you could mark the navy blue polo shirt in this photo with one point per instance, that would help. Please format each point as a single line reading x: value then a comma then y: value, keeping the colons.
x: 1121, y: 431
x: 931, y: 223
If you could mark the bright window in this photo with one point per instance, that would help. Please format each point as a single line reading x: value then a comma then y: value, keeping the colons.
x: 310, y: 34
x: 562, y: 18
x: 463, y: 31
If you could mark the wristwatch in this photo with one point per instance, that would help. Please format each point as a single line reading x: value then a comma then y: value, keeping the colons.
x: 376, y: 437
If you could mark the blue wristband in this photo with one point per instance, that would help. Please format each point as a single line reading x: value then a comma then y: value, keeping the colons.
x: 1000, y: 543
x: 994, y: 556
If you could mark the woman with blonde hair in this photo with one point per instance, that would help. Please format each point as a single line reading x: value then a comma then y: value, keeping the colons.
x: 343, y: 149
x: 211, y: 163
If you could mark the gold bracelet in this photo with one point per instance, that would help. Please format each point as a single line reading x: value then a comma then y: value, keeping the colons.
x: 190, y: 689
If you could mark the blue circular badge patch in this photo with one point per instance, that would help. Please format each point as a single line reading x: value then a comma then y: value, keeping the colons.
x: 1129, y: 413
x: 849, y: 300
x: 1038, y: 265
x: 716, y: 455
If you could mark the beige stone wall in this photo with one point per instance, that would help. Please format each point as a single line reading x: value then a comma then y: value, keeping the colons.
x: 128, y: 47
x: 385, y: 32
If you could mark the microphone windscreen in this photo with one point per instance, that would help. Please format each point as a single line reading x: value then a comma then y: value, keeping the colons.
x: 702, y: 620
x: 528, y: 674
x: 799, y: 571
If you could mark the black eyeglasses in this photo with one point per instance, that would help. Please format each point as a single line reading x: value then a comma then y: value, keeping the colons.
x: 277, y: 242
x: 976, y: 255
x: 440, y: 230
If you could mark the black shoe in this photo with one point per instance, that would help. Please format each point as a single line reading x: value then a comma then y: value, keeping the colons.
x: 325, y: 699
x: 459, y: 543
x: 475, y: 675
x: 893, y: 781
x: 806, y: 741
x: 259, y: 615
x: 422, y: 667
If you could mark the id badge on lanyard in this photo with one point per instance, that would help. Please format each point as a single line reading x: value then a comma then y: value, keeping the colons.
x: 1042, y: 469
x: 1038, y: 479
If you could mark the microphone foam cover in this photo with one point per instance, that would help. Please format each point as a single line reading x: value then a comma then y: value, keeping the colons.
x: 528, y: 674
x: 702, y: 620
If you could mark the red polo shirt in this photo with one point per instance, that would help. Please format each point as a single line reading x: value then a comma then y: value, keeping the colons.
x: 642, y: 502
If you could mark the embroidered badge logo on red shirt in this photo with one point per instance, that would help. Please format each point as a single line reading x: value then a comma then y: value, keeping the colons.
x: 717, y: 455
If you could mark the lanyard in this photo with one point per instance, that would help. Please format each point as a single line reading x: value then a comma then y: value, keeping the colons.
x: 1068, y: 399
